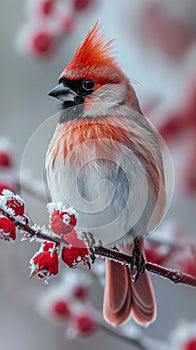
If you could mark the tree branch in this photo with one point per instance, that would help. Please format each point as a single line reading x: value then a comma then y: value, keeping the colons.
x: 175, y: 276
x: 32, y: 232
x: 121, y: 336
x: 135, y: 338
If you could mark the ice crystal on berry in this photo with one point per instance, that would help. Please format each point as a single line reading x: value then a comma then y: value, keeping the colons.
x: 45, y: 262
x: 7, y: 229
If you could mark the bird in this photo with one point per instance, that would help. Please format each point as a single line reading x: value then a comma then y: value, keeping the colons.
x: 104, y: 159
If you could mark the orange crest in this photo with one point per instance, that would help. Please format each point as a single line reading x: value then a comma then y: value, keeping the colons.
x: 95, y: 51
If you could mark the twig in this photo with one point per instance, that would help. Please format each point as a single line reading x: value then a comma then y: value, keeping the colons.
x: 143, y: 343
x: 175, y: 276
x: 123, y: 337
x: 37, y: 233
x: 136, y: 339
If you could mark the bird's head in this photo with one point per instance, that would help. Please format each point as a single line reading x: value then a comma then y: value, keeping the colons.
x: 93, y: 79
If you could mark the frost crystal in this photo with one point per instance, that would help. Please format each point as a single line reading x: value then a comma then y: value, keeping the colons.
x: 59, y: 206
x: 7, y: 229
x: 11, y: 203
x: 66, y: 219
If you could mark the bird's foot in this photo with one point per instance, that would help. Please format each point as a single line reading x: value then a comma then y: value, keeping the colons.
x: 138, y: 262
x: 90, y: 242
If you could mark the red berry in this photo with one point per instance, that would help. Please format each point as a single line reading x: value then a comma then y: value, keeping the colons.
x: 46, y: 7
x: 80, y: 292
x: 16, y: 205
x: 43, y: 43
x: 172, y: 127
x: 56, y: 223
x: 188, y: 266
x: 5, y: 159
x: 69, y: 256
x: 62, y: 222
x: 80, y: 5
x: 60, y: 309
x: 7, y: 229
x: 73, y: 220
x: 45, y: 264
x: 67, y: 24
x: 191, y: 345
x: 154, y: 254
x: 184, y: 260
x: 48, y: 245
x: 84, y: 324
x: 190, y: 183
x: 78, y: 252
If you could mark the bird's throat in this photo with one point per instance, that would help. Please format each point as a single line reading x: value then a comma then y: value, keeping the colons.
x: 70, y: 111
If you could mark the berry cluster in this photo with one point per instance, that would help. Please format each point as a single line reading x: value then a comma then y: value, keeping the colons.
x: 63, y: 222
x: 182, y: 122
x: 61, y: 241
x: 48, y: 22
x: 68, y: 302
x: 45, y: 262
x: 14, y: 206
x: 179, y: 126
x: 167, y: 32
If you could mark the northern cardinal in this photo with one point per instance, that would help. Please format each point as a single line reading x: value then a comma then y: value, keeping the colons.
x: 104, y: 160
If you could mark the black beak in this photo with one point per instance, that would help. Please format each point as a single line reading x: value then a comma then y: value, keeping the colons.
x: 60, y: 92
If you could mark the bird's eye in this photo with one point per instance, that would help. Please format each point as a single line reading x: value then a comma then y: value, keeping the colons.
x: 88, y: 84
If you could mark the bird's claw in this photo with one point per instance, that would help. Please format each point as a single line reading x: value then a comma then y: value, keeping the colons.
x: 90, y: 242
x: 138, y: 262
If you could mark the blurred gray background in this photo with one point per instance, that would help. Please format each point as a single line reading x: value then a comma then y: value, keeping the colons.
x: 24, y: 85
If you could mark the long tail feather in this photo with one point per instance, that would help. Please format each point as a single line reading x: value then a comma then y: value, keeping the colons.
x: 117, y: 297
x: 123, y: 297
x: 143, y: 298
